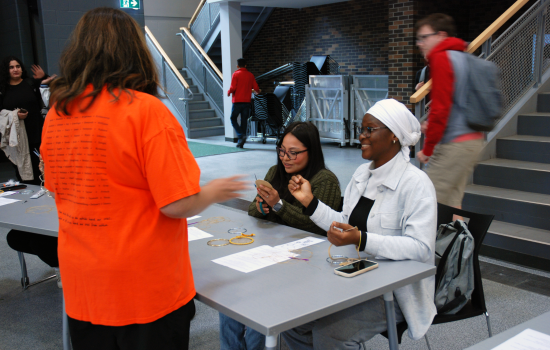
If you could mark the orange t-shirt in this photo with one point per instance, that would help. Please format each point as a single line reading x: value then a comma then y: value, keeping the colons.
x: 111, y: 168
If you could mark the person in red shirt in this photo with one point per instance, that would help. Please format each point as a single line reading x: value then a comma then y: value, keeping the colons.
x: 242, y: 86
x: 451, y: 147
x: 124, y: 181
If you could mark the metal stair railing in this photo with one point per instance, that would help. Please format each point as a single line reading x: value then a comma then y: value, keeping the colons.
x: 174, y: 85
x: 201, y: 68
x: 520, y: 52
x: 204, y: 21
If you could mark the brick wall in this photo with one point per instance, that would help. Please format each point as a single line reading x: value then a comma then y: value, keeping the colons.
x: 403, y: 59
x: 354, y: 33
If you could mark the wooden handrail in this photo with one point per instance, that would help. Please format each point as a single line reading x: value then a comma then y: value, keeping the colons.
x: 201, y: 50
x: 166, y: 58
x: 197, y: 11
x: 476, y: 43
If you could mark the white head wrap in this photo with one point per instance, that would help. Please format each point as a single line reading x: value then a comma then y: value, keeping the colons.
x: 400, y: 121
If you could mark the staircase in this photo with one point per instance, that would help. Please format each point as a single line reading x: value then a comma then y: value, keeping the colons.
x: 515, y: 187
x: 252, y: 20
x: 203, y: 120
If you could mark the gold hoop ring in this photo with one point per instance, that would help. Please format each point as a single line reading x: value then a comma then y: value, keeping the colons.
x: 243, y: 236
x: 217, y: 245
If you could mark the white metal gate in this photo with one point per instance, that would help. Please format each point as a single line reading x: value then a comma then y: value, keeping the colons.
x: 327, y: 106
x: 366, y: 90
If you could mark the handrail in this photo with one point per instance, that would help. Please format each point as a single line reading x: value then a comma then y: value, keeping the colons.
x: 166, y: 58
x: 476, y: 43
x: 197, y: 11
x: 203, y: 53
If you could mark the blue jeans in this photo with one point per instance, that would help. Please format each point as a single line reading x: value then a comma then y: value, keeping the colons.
x: 244, y: 110
x: 236, y: 336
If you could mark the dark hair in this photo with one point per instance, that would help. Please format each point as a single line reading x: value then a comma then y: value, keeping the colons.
x: 100, y: 53
x: 241, y: 62
x: 308, y: 134
x: 5, y: 72
x: 439, y: 22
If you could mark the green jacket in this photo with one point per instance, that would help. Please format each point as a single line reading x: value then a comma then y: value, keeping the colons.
x: 324, y: 186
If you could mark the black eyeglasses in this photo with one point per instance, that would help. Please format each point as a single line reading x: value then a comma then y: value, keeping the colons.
x: 290, y: 154
x: 367, y: 131
x: 421, y: 38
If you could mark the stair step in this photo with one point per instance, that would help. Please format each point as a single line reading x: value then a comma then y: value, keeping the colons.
x: 205, y: 122
x: 535, y: 124
x: 543, y: 102
x: 194, y: 89
x: 202, y: 113
x: 524, y: 147
x: 205, y: 132
x: 514, y: 175
x: 518, y: 244
x: 198, y: 97
x: 516, y: 207
x: 197, y: 105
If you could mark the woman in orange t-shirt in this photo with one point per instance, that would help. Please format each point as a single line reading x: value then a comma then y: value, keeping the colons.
x: 124, y: 181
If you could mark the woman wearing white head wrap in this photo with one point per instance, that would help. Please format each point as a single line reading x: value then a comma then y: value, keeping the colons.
x: 400, y: 121
x: 390, y: 211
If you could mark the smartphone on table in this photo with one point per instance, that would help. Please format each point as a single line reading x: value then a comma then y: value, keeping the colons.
x: 355, y: 268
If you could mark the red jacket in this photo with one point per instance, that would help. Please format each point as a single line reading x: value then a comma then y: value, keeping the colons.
x: 441, y: 71
x: 242, y: 83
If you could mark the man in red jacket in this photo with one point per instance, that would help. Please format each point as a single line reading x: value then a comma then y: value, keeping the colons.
x: 451, y: 146
x: 242, y: 86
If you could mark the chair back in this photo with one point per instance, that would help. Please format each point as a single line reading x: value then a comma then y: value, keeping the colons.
x: 478, y: 225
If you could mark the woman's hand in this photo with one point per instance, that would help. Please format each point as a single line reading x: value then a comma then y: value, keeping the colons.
x: 300, y: 188
x: 260, y: 201
x: 37, y: 72
x: 339, y: 237
x: 269, y: 196
x: 22, y: 115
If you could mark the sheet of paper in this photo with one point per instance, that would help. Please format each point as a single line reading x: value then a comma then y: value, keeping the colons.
x: 4, y: 201
x: 301, y: 243
x: 527, y: 340
x: 5, y: 194
x: 193, y: 218
x: 194, y: 233
x: 254, y: 259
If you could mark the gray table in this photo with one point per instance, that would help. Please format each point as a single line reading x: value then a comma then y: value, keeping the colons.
x: 282, y: 296
x: 272, y: 299
x: 540, y: 324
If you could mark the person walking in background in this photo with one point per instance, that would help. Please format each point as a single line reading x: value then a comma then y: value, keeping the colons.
x: 124, y: 181
x: 451, y: 147
x: 242, y: 86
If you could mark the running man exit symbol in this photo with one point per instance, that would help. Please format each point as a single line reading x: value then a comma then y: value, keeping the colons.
x: 129, y: 4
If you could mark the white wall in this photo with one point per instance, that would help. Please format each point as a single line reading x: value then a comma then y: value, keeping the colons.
x: 164, y: 18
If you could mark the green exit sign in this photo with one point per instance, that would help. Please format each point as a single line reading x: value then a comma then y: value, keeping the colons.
x: 129, y: 4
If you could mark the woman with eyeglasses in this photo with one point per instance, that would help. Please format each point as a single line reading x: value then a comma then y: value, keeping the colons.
x: 389, y: 212
x: 298, y: 153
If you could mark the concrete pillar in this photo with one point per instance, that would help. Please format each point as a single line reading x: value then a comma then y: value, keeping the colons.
x: 232, y: 49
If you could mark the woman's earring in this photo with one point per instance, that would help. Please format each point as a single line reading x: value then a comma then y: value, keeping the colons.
x: 393, y: 141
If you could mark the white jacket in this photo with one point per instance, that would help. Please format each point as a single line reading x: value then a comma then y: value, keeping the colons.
x: 401, y: 226
x: 14, y: 143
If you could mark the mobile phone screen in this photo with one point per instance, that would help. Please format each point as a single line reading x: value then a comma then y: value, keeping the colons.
x: 356, y: 266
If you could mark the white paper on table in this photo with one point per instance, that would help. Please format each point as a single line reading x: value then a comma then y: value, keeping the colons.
x: 527, y: 340
x: 7, y: 194
x: 193, y: 217
x: 254, y: 259
x: 4, y: 201
x: 299, y: 244
x: 194, y: 233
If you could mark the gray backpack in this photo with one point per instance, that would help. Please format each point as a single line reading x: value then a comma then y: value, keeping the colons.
x: 481, y: 99
x: 454, y: 252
